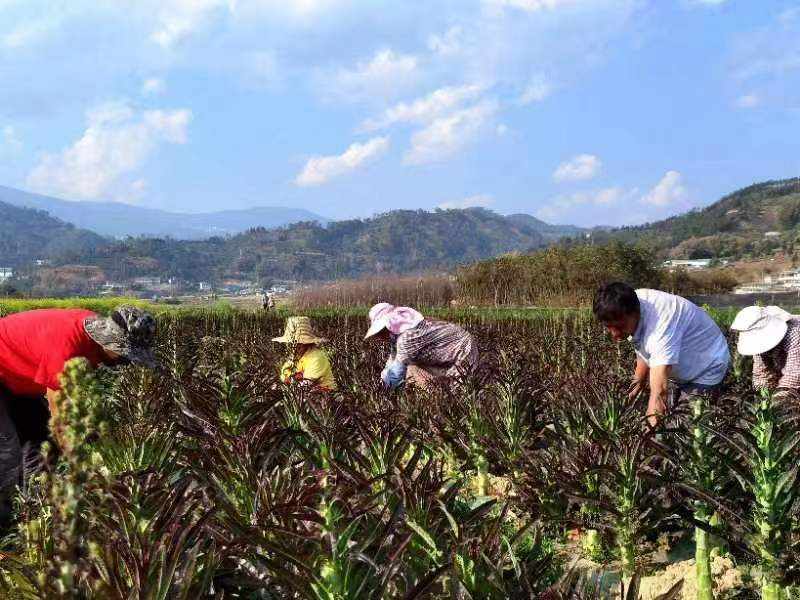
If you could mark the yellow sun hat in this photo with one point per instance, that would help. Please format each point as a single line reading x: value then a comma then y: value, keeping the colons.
x: 298, y: 331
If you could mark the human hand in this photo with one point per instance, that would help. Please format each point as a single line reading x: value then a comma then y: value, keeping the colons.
x: 656, y: 409
x: 636, y: 388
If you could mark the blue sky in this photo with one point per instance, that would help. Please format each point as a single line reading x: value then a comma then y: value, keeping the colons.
x: 577, y: 111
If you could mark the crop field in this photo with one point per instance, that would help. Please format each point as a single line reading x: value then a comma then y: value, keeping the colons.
x: 535, y: 478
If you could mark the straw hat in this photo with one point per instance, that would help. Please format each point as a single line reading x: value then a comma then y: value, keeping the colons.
x: 760, y: 328
x: 298, y: 331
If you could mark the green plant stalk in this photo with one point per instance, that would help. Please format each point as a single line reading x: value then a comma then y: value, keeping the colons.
x: 627, y: 556
x: 770, y: 510
x: 592, y: 544
x: 702, y: 452
x: 482, y: 467
x: 771, y: 591
x: 702, y: 556
x: 626, y: 526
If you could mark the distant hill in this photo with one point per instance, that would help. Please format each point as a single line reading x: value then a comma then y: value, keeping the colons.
x: 550, y: 232
x: 403, y: 241
x: 751, y: 222
x: 27, y: 235
x: 115, y: 219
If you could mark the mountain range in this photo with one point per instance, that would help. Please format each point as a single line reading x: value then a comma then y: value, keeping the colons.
x: 119, y: 220
x: 756, y: 221
x: 27, y: 235
x: 403, y: 241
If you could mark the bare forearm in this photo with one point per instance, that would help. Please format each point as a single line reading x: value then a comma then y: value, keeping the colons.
x: 659, y: 382
x: 639, y: 381
x: 658, y: 401
x: 641, y: 371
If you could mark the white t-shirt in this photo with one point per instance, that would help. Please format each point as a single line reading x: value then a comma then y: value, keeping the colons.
x: 673, y: 331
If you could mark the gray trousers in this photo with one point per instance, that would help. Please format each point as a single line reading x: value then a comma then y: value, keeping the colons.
x: 685, y: 392
x: 10, y: 462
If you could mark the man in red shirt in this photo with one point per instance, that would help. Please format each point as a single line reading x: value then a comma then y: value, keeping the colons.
x: 34, y: 346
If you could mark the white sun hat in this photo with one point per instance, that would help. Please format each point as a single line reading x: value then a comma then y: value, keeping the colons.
x: 396, y: 319
x: 760, y: 328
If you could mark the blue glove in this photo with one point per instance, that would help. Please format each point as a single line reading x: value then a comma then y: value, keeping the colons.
x: 394, y: 375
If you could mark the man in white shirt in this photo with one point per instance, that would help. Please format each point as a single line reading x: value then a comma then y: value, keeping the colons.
x: 674, y: 340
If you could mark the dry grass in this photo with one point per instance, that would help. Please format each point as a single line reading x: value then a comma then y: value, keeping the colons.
x: 422, y: 291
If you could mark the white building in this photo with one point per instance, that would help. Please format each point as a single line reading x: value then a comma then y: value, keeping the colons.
x: 689, y: 265
x: 786, y: 281
x: 6, y: 273
x: 754, y: 288
x: 789, y: 280
x: 147, y: 281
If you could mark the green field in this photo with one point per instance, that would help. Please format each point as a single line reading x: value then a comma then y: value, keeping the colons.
x: 209, y: 478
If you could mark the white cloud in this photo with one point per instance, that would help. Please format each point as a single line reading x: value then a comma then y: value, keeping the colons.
x: 426, y: 109
x: 629, y: 205
x: 532, y: 5
x: 772, y: 52
x: 670, y: 191
x: 385, y: 75
x: 9, y: 140
x: 502, y: 129
x: 450, y: 43
x: 153, y: 86
x: 709, y: 2
x: 748, y: 101
x: 27, y: 34
x: 478, y: 200
x: 134, y: 193
x: 321, y: 169
x: 295, y: 11
x: 579, y: 168
x: 563, y: 204
x: 118, y: 140
x: 537, y: 90
x: 447, y: 135
x: 178, y: 19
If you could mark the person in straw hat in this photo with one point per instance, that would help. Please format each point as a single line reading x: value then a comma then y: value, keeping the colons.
x: 772, y: 337
x: 422, y: 350
x: 308, y: 363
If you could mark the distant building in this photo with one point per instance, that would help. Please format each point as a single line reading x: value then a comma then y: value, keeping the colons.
x: 204, y: 286
x: 753, y: 288
x: 6, y: 273
x: 786, y: 281
x: 772, y: 234
x: 789, y: 280
x: 689, y: 265
x: 147, y: 281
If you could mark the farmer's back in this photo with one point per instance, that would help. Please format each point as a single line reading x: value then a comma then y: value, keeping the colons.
x: 34, y: 346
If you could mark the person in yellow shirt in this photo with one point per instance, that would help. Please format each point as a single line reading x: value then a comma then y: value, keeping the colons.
x: 308, y: 363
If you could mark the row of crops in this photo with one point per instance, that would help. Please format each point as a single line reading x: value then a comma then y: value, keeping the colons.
x: 209, y: 478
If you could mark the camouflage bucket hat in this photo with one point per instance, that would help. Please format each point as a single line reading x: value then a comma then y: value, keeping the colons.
x: 128, y: 331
